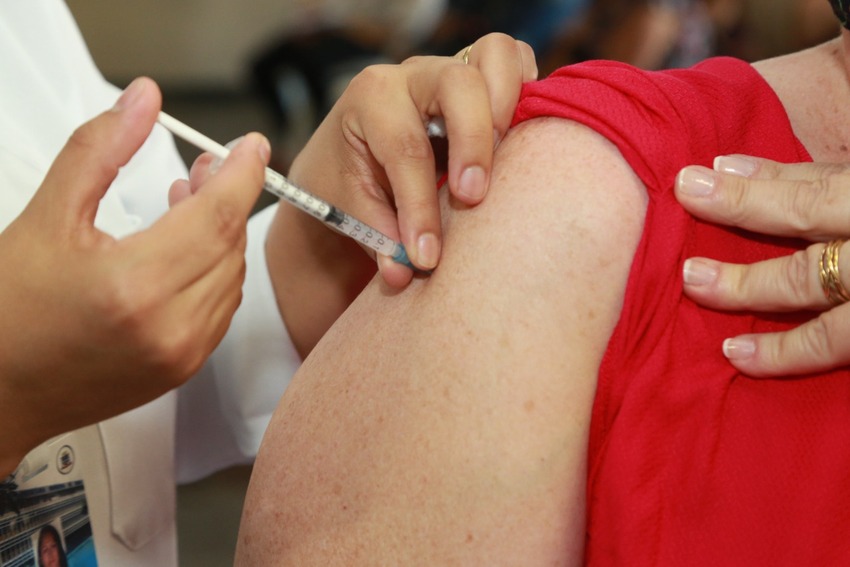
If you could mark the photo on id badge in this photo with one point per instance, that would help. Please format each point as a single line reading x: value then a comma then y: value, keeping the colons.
x: 44, y: 515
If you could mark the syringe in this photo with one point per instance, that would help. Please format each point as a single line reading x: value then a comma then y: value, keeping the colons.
x: 280, y: 186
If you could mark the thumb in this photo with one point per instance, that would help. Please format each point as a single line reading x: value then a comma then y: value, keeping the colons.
x: 93, y: 155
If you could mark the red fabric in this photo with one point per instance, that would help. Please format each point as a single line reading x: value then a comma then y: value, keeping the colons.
x: 692, y: 463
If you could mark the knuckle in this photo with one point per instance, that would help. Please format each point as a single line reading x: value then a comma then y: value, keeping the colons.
x: 802, y: 200
x: 463, y: 75
x: 825, y: 170
x: 417, y: 203
x: 84, y: 137
x: 132, y: 321
x: 172, y: 353
x: 816, y: 339
x: 86, y: 140
x: 369, y: 79
x: 797, y: 280
x: 498, y: 41
x: 414, y: 60
x: 412, y: 147
x: 122, y: 304
x: 735, y: 284
x: 481, y: 137
x: 735, y: 201
x: 835, y: 190
x: 228, y: 222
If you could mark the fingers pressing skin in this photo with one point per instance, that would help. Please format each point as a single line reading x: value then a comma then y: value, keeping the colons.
x: 477, y: 105
x: 395, y: 275
x: 815, y: 346
x: 805, y: 200
x: 499, y: 60
x: 498, y: 56
x: 789, y: 283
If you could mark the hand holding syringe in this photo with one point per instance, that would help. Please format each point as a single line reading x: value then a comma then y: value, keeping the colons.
x: 280, y: 186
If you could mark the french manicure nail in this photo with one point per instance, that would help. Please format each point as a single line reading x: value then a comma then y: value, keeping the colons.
x: 696, y: 181
x: 471, y: 184
x: 736, y: 165
x: 739, y: 348
x: 698, y: 272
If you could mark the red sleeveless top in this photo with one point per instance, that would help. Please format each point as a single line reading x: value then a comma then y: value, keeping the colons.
x: 690, y: 462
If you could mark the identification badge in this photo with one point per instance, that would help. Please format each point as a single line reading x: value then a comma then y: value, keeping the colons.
x: 44, y: 514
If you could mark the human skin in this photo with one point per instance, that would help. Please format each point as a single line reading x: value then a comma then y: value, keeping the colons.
x: 81, y: 308
x: 447, y: 424
x: 372, y: 158
x: 48, y: 551
x: 121, y: 322
x: 806, y: 201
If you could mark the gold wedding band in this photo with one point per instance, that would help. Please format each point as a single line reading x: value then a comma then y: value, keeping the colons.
x: 465, y: 55
x: 830, y: 279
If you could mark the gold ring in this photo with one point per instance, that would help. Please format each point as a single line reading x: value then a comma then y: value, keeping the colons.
x: 465, y: 55
x: 830, y: 279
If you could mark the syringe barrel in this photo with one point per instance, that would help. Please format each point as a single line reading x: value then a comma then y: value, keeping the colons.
x: 278, y: 185
x: 335, y: 218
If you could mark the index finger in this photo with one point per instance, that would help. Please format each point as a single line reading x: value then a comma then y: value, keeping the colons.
x: 810, y: 201
x: 201, y: 229
x: 505, y: 64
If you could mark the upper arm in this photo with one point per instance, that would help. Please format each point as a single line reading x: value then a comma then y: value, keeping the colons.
x: 448, y: 423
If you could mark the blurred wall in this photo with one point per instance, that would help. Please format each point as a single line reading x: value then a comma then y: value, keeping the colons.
x: 184, y: 43
x: 207, y: 43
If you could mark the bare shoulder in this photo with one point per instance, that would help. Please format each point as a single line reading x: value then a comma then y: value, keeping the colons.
x: 447, y: 424
x: 819, y: 126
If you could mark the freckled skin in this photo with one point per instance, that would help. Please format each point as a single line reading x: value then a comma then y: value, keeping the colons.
x: 462, y: 439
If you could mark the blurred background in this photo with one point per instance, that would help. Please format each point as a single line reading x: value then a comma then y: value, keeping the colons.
x: 276, y: 66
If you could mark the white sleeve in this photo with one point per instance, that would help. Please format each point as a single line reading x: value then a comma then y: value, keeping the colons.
x: 223, y: 412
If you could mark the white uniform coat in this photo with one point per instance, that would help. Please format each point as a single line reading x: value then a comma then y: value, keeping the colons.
x: 49, y: 86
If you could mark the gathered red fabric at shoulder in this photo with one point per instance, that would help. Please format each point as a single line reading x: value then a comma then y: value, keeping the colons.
x: 690, y: 462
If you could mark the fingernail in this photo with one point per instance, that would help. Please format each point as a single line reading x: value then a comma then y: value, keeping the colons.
x: 216, y: 163
x: 260, y: 141
x: 736, y: 165
x: 698, y: 272
x: 696, y: 181
x: 264, y: 149
x: 129, y: 96
x: 739, y: 348
x: 384, y: 262
x: 428, y: 253
x: 471, y: 184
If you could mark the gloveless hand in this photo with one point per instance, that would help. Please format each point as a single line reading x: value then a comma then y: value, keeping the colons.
x: 93, y: 326
x: 372, y: 157
x: 807, y: 200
